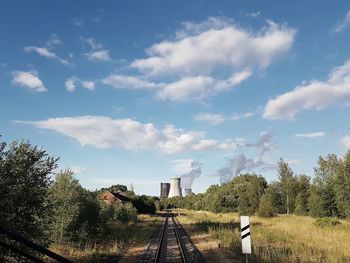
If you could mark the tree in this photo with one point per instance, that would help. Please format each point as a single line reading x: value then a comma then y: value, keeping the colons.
x: 24, y: 181
x: 266, y: 208
x: 303, y: 193
x: 342, y: 187
x: 285, y: 175
x: 326, y: 173
x: 64, y: 197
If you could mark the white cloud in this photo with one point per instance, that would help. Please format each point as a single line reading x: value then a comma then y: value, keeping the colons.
x: 90, y: 85
x: 97, y: 52
x: 70, y: 84
x: 78, y: 169
x: 253, y: 14
x: 342, y: 25
x: 216, y: 119
x: 54, y: 41
x: 181, y: 166
x: 28, y: 80
x: 193, y: 88
x: 232, y: 81
x: 313, y: 95
x: 45, y: 52
x: 126, y: 82
x: 211, y: 118
x: 200, y: 50
x: 98, y: 55
x: 311, y: 134
x: 92, y: 43
x: 123, y: 181
x: 346, y: 142
x: 217, y: 44
x: 104, y: 132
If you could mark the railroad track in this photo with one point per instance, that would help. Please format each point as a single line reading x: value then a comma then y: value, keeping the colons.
x: 170, y: 244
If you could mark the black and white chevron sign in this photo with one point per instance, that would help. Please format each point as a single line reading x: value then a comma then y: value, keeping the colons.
x: 245, y: 234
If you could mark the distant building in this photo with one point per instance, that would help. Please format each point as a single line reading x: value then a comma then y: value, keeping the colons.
x: 164, y: 190
x: 111, y: 198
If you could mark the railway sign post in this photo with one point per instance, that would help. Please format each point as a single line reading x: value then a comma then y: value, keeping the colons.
x: 245, y: 234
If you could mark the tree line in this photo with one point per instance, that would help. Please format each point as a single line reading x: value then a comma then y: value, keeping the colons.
x: 326, y: 195
x: 57, y: 212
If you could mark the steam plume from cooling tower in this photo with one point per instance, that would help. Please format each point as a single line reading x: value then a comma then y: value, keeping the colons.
x: 188, y: 170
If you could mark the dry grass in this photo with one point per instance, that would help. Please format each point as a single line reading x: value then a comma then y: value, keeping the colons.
x: 280, y: 239
x: 127, y: 239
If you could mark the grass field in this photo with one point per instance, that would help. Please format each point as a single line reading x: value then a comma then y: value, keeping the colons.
x: 279, y: 239
x: 124, y: 237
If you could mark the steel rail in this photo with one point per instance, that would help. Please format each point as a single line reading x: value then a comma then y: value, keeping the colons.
x: 160, y: 242
x: 179, y: 241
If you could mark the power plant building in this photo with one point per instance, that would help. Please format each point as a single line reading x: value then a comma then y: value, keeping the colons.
x: 175, y: 187
x: 164, y: 190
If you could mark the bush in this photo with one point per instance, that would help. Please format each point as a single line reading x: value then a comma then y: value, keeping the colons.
x: 125, y: 213
x: 266, y: 208
x: 326, y: 222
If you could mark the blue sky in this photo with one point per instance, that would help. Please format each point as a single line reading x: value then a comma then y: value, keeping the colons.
x: 141, y: 91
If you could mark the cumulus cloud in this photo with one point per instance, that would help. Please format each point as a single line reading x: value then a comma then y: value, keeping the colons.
x: 72, y: 81
x: 45, y: 52
x: 342, y: 25
x: 54, y: 41
x: 253, y: 14
x: 28, y: 79
x: 194, y: 88
x: 98, y: 55
x: 216, y: 119
x: 90, y: 85
x: 311, y: 134
x: 70, y: 84
x: 97, y: 52
x: 125, y: 82
x: 314, y: 95
x: 199, y: 50
x: 104, y: 132
x: 346, y: 142
x: 217, y: 44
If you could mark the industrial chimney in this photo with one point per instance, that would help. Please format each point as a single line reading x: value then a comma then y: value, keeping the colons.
x: 175, y: 189
x: 164, y: 190
x: 187, y: 191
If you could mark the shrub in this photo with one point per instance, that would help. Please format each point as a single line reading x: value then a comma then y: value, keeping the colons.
x: 125, y: 213
x: 266, y: 208
x: 326, y: 222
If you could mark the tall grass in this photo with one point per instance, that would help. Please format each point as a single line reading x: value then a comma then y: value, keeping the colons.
x: 279, y: 239
x: 114, y: 245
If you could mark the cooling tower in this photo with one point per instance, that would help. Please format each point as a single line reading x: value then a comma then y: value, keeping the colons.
x: 164, y: 190
x: 187, y: 191
x: 175, y: 189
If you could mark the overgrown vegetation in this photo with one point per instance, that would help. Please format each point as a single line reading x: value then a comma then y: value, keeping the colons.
x: 327, y: 195
x: 61, y: 213
x: 284, y: 238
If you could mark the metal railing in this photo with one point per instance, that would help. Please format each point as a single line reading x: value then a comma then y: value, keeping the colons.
x: 35, y: 247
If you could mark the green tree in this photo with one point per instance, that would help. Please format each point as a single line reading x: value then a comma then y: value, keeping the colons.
x: 24, y: 181
x: 326, y: 173
x: 125, y: 213
x: 303, y: 193
x: 286, y: 179
x: 64, y: 197
x: 342, y: 187
x: 266, y: 208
